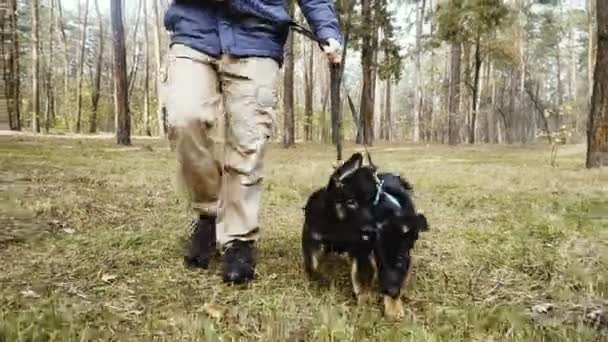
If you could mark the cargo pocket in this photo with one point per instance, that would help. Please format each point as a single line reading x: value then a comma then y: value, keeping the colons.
x: 265, y: 115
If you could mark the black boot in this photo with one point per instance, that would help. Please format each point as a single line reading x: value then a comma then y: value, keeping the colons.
x: 238, y: 262
x: 202, y: 242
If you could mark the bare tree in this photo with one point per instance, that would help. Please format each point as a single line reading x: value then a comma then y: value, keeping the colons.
x: 83, y: 40
x: 35, y: 67
x: 49, y: 112
x: 147, y: 127
x: 96, y: 91
x: 454, y: 94
x: 15, y: 70
x: 121, y: 96
x: 132, y: 75
x: 308, y: 90
x: 288, y: 95
x: 66, y: 59
x: 597, y: 135
x: 418, y: 95
x: 367, y: 91
x: 160, y: 112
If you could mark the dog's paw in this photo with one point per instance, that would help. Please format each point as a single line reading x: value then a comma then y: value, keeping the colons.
x: 196, y: 262
x: 364, y: 298
x: 393, y: 308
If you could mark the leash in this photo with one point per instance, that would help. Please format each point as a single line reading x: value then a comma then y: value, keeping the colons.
x: 334, y: 87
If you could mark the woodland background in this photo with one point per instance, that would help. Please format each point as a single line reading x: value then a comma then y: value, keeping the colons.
x: 460, y: 71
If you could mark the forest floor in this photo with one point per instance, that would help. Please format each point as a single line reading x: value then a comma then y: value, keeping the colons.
x: 92, y: 236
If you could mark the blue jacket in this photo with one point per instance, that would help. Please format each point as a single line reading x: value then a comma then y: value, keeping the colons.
x: 244, y: 28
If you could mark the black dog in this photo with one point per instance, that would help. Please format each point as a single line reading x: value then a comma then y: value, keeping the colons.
x: 372, y: 218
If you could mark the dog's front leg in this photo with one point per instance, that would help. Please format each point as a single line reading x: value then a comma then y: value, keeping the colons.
x: 311, y: 250
x: 393, y: 308
x: 363, y: 272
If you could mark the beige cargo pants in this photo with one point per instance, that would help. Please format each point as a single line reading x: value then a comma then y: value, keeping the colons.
x: 220, y: 166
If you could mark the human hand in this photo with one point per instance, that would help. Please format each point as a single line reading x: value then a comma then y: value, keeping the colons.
x: 333, y: 51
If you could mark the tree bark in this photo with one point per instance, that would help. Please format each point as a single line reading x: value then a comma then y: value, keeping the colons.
x: 35, y: 67
x: 83, y: 40
x: 288, y: 95
x: 123, y: 127
x: 96, y: 92
x: 597, y: 135
x: 454, y: 95
x: 162, y: 128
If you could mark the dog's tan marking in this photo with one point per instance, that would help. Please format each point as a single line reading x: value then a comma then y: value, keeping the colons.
x: 357, y: 287
x: 393, y: 308
x: 315, y: 259
x: 362, y: 293
x: 372, y: 259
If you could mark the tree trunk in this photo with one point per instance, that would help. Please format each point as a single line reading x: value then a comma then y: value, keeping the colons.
x: 308, y: 96
x: 365, y: 134
x: 66, y: 64
x: 454, y: 95
x: 49, y: 112
x: 15, y: 69
x: 474, y: 99
x: 35, y: 68
x: 597, y: 135
x: 159, y: 109
x: 83, y: 40
x: 123, y: 127
x: 560, y: 88
x: 132, y: 75
x: 591, y: 42
x: 388, y: 134
x: 96, y: 92
x: 288, y: 95
x: 147, y: 128
x: 418, y: 95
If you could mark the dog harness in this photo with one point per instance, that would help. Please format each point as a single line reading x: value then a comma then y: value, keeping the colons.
x: 380, y: 191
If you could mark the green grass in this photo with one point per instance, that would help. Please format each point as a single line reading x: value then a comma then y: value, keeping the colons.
x: 92, y: 238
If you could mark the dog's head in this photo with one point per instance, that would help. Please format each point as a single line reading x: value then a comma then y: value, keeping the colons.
x: 352, y: 189
x: 396, y: 237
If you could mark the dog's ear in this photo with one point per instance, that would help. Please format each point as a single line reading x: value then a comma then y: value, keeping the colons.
x: 349, y: 166
x: 421, y: 223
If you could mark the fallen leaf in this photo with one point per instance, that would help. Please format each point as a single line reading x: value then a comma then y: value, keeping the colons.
x: 108, y: 277
x: 543, y: 308
x: 214, y: 311
x: 30, y: 294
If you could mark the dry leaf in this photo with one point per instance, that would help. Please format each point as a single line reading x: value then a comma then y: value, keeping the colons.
x: 543, y: 308
x: 30, y: 294
x: 108, y: 277
x: 214, y: 311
